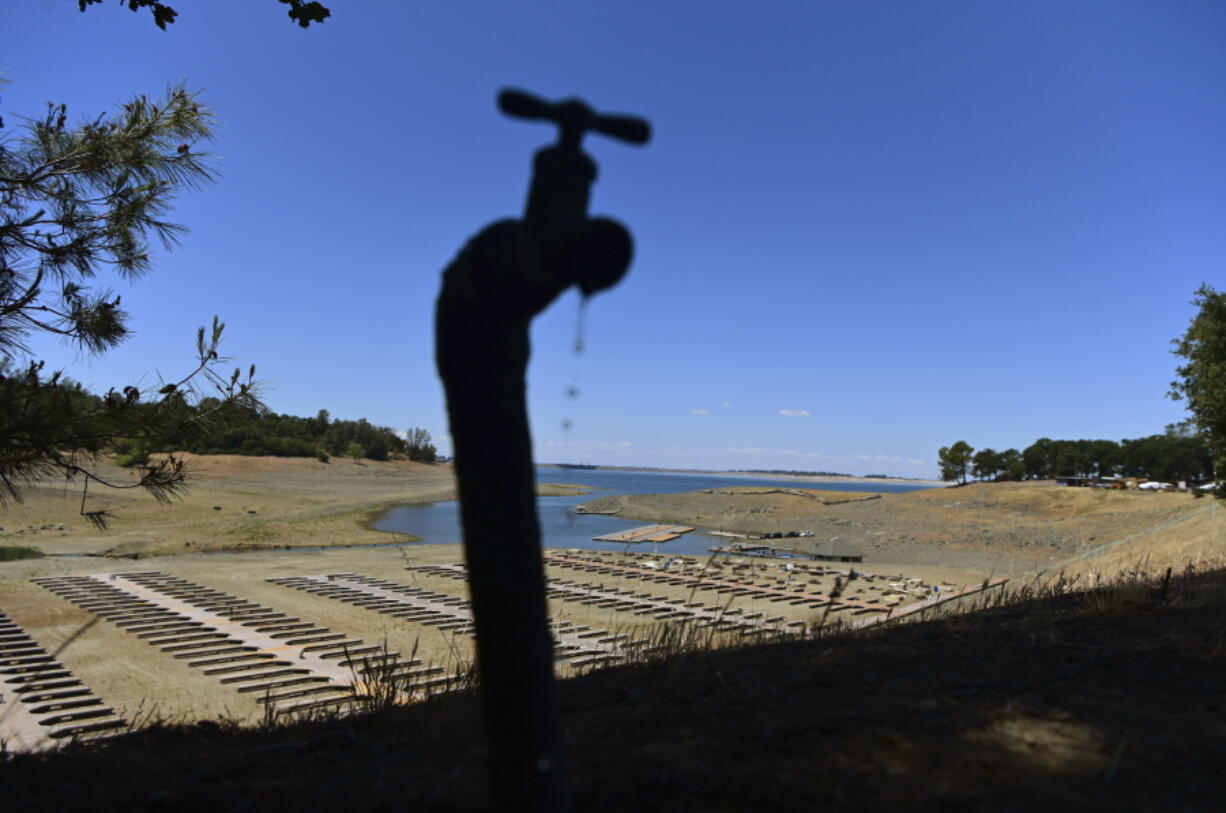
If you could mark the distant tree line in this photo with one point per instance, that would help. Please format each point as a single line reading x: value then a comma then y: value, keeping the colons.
x: 210, y: 425
x: 1180, y: 453
x: 250, y: 432
x: 796, y: 472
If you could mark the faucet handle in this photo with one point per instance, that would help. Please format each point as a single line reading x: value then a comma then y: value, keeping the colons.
x: 573, y: 117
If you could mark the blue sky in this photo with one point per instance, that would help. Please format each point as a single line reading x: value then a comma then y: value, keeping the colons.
x: 864, y: 229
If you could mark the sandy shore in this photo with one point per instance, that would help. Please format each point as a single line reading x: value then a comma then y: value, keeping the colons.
x: 814, y: 478
x: 232, y: 502
x: 833, y: 478
x: 1007, y: 529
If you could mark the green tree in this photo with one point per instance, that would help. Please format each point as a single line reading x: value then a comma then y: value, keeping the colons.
x: 303, y: 12
x: 74, y: 201
x: 355, y: 450
x: 1012, y: 465
x: 320, y: 425
x: 955, y: 460
x: 1104, y: 456
x: 986, y: 464
x: 1037, y: 459
x: 1201, y: 380
x: 420, y: 448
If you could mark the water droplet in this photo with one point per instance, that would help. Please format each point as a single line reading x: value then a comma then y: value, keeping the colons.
x: 572, y: 392
x: 566, y: 425
x: 580, y: 325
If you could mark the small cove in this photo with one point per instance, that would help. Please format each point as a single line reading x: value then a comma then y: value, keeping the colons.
x: 439, y: 522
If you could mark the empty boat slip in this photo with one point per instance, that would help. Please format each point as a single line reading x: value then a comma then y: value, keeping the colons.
x: 42, y: 702
x: 280, y: 659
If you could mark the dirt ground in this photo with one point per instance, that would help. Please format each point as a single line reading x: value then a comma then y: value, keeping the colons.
x: 141, y: 682
x: 1100, y: 702
x: 230, y: 531
x: 1003, y: 528
x: 231, y: 502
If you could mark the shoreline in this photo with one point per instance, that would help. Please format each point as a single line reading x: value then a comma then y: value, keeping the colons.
x: 1000, y: 528
x: 233, y: 504
x: 824, y: 478
x: 245, y: 504
x: 241, y: 504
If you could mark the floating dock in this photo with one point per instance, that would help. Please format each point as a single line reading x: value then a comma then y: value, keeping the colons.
x: 646, y: 533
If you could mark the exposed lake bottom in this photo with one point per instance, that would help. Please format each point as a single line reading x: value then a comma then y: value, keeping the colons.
x: 562, y: 527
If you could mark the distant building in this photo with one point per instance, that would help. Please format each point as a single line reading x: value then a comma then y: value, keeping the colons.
x: 836, y: 550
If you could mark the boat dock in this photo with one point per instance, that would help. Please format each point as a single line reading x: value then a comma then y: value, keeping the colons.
x: 645, y: 533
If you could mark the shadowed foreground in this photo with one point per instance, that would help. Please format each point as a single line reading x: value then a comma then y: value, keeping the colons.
x: 1105, y: 700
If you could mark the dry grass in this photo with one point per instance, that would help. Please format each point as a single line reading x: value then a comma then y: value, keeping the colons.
x: 1004, y: 528
x: 15, y: 553
x: 232, y: 502
x: 1059, y: 693
x: 1094, y: 683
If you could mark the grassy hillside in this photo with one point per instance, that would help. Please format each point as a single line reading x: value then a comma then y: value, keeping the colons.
x: 1006, y: 528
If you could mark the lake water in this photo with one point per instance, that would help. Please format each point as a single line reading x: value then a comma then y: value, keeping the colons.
x: 561, y: 527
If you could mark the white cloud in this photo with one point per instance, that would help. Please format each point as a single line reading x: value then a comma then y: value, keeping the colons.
x: 794, y: 413
x: 699, y: 412
x: 726, y: 404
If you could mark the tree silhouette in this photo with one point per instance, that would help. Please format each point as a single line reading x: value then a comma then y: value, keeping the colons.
x: 303, y: 12
x: 75, y: 201
x: 1202, y: 378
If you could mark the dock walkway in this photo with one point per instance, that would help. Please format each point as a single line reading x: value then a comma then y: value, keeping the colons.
x: 645, y: 533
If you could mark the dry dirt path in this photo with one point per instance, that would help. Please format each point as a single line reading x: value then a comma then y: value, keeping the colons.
x: 235, y: 625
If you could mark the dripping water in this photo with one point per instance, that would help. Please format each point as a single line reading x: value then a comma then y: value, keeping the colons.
x: 572, y: 391
x: 566, y: 516
x: 581, y: 324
